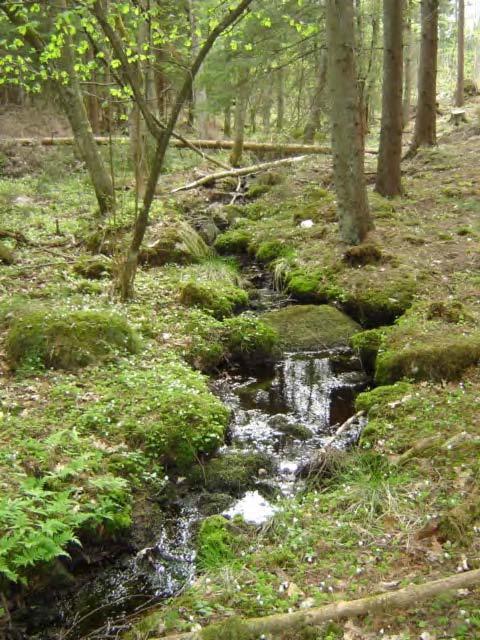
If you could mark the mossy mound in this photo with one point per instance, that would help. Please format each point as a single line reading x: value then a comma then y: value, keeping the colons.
x: 249, y: 340
x: 6, y: 254
x: 427, y: 356
x: 380, y: 304
x: 271, y: 250
x: 235, y: 241
x: 174, y: 242
x: 233, y: 473
x: 451, y: 311
x: 214, y: 543
x: 304, y: 286
x: 306, y: 327
x: 93, y: 267
x: 68, y: 339
x: 218, y: 298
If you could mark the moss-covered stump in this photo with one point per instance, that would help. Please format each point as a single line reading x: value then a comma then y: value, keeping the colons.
x: 221, y: 299
x: 174, y: 242
x: 68, y: 339
x: 306, y: 327
x: 429, y: 356
x: 233, y: 473
x: 93, y: 267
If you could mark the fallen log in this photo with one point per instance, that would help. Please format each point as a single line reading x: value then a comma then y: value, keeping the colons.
x: 243, y: 171
x: 409, y: 596
x: 183, y: 143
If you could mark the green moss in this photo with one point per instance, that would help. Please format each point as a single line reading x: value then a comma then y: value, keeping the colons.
x: 6, y: 254
x: 306, y: 327
x: 430, y: 357
x: 270, y: 250
x: 249, y: 340
x: 93, y: 267
x: 257, y: 190
x: 232, y: 629
x: 233, y: 473
x: 219, y: 298
x: 304, y: 286
x: 375, y: 400
x: 68, y: 339
x: 378, y: 305
x: 367, y: 344
x: 215, y: 543
x: 233, y: 241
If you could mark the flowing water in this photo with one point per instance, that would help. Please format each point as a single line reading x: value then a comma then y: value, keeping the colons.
x: 286, y: 412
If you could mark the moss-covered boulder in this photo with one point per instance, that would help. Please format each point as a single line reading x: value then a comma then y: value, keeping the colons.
x: 427, y: 356
x: 271, y: 250
x: 378, y: 304
x: 93, y: 267
x: 173, y: 242
x: 235, y: 241
x: 250, y: 341
x: 221, y: 299
x: 65, y: 339
x: 233, y: 473
x: 305, y: 287
x: 306, y: 327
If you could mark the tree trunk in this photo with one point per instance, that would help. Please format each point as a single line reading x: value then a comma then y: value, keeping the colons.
x: 347, y: 138
x: 313, y: 124
x: 371, y: 75
x: 280, y: 100
x: 389, y: 177
x: 460, y: 90
x: 227, y: 121
x: 425, y: 133
x: 241, y: 104
x: 408, y: 48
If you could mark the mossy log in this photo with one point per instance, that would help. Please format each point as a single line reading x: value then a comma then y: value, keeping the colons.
x: 384, y: 602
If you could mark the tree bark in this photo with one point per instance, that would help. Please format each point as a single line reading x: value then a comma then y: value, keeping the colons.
x: 280, y: 99
x: 313, y: 124
x: 240, y: 114
x: 408, y: 70
x: 460, y: 90
x: 425, y: 133
x: 389, y: 176
x: 381, y: 603
x: 347, y: 137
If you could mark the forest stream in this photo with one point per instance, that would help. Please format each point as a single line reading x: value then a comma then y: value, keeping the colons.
x: 286, y: 412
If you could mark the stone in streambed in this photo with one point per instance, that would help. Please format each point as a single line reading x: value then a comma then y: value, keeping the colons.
x: 309, y: 327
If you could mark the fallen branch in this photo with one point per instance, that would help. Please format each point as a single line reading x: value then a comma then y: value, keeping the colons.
x: 195, y: 145
x: 254, y: 168
x: 383, y: 602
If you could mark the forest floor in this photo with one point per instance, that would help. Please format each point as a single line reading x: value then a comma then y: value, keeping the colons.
x: 403, y: 507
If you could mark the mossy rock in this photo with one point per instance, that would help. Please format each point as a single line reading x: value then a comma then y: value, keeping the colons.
x: 257, y: 190
x: 304, y: 286
x: 93, y: 267
x: 211, y: 504
x: 429, y: 356
x: 380, y: 305
x: 367, y: 344
x: 6, y: 255
x: 68, y: 339
x: 307, y: 327
x: 289, y: 428
x: 250, y: 341
x: 218, y: 298
x: 175, y: 242
x: 235, y: 241
x: 375, y: 400
x: 271, y: 250
x: 234, y: 473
